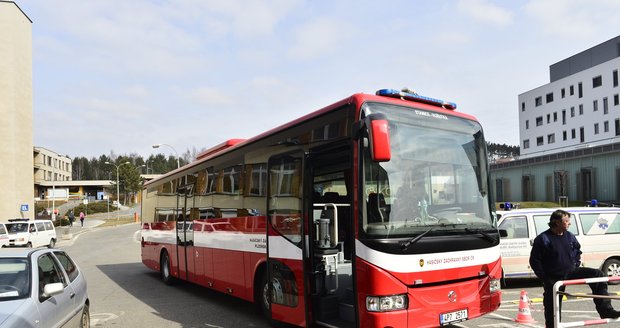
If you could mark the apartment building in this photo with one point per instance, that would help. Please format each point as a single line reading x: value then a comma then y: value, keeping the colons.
x: 569, y: 133
x: 16, y: 175
x: 51, y: 171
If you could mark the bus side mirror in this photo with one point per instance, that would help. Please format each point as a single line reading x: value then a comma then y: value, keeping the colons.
x: 379, y: 134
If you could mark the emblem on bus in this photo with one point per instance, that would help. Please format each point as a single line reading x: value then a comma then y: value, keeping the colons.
x: 421, y: 263
x: 452, y: 296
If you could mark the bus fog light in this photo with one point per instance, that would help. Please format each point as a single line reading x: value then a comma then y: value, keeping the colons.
x: 386, y: 303
x: 495, y: 285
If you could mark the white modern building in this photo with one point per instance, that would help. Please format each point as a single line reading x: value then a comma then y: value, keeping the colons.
x: 569, y: 134
x: 580, y: 107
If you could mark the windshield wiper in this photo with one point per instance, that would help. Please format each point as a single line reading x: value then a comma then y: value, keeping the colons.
x: 413, y: 240
x: 481, y: 232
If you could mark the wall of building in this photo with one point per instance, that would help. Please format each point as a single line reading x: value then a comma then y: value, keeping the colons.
x: 16, y: 176
x: 556, y: 117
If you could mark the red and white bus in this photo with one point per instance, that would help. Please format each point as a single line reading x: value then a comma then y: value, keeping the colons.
x: 371, y: 212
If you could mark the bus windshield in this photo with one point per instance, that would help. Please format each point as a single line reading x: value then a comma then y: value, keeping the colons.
x: 435, y: 182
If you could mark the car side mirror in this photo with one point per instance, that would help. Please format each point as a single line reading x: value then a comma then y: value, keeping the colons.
x: 53, y: 289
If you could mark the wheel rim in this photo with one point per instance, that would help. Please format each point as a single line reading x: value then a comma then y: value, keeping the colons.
x: 613, y: 269
x: 165, y: 269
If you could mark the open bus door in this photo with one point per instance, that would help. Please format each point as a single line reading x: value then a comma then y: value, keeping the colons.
x: 285, y: 239
x: 185, y: 232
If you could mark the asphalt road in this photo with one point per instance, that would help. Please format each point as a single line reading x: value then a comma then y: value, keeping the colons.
x: 124, y: 293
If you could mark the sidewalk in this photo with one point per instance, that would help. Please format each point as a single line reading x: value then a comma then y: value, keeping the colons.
x: 67, y: 232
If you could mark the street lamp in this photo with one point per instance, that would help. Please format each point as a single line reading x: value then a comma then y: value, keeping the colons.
x: 175, y: 151
x: 118, y: 196
x: 54, y: 186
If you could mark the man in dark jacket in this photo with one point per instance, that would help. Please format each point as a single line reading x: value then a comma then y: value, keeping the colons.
x: 556, y: 255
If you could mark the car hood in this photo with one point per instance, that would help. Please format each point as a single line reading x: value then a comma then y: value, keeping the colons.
x: 8, y: 308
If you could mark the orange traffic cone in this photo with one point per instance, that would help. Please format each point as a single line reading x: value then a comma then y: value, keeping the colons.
x: 524, y: 315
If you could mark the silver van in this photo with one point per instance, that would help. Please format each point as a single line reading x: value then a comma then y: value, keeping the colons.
x: 30, y: 233
x: 597, y: 229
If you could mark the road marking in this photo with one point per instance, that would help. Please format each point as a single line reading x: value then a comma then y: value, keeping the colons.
x: 96, y: 318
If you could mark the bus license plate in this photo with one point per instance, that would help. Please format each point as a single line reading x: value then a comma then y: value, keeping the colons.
x: 456, y: 316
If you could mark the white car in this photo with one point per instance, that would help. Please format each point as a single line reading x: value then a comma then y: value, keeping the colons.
x: 41, y: 288
x: 30, y: 233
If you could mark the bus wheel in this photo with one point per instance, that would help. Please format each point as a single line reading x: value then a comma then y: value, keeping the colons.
x: 164, y: 267
x: 611, y: 268
x: 262, y: 298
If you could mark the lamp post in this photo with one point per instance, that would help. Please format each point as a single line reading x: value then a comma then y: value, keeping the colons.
x: 118, y: 196
x: 175, y: 151
x: 54, y: 187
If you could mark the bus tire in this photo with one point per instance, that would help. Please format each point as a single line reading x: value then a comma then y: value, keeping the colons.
x: 52, y: 243
x: 164, y: 269
x: 261, y: 297
x: 611, y: 268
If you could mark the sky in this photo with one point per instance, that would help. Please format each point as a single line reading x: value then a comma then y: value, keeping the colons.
x: 117, y: 76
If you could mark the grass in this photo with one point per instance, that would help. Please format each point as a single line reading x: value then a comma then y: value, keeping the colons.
x: 114, y: 222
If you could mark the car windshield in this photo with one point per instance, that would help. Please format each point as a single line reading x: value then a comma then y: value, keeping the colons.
x: 17, y: 227
x: 436, y: 181
x: 14, y: 278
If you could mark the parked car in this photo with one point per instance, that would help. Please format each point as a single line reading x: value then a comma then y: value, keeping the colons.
x: 597, y: 229
x: 4, y: 236
x: 30, y: 233
x: 41, y: 288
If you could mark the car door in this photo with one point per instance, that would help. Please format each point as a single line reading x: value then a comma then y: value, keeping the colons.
x: 55, y: 310
x: 515, y: 247
x: 77, y: 284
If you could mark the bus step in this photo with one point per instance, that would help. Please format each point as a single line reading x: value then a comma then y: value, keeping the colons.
x: 346, y: 311
x: 326, y: 307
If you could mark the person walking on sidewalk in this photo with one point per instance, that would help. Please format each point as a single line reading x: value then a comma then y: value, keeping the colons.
x: 82, y: 218
x: 556, y: 255
x: 71, y: 218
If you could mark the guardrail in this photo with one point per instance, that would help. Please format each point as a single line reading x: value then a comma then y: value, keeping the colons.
x: 556, y: 301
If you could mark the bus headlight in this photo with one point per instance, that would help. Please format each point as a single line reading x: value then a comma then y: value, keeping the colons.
x: 386, y: 303
x: 494, y: 286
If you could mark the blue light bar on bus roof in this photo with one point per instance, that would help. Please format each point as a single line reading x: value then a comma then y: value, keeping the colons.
x: 408, y: 95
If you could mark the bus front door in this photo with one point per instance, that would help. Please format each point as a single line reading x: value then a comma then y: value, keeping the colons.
x: 185, y: 232
x: 285, y: 238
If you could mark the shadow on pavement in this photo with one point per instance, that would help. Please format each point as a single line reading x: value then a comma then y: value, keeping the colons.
x: 188, y: 304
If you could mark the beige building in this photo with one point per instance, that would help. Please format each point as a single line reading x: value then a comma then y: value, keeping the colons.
x: 51, y: 172
x: 16, y: 175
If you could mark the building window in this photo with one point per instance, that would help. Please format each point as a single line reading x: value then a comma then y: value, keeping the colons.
x: 538, y: 101
x: 527, y: 124
x: 595, y: 128
x: 615, y: 77
x: 582, y: 134
x: 597, y: 81
x: 595, y: 105
x: 548, y: 118
x: 564, y: 135
x: 606, y: 126
x: 563, y: 92
x: 618, y: 127
x: 572, y: 133
x: 563, y: 116
x: 580, y: 109
x: 572, y: 112
x: 551, y: 138
x: 540, y: 141
x: 526, y: 144
x: 571, y: 90
x: 605, y: 106
x: 580, y: 90
x: 539, y: 121
x: 549, y: 97
x: 616, y: 100
x: 523, y: 106
x: 555, y: 116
